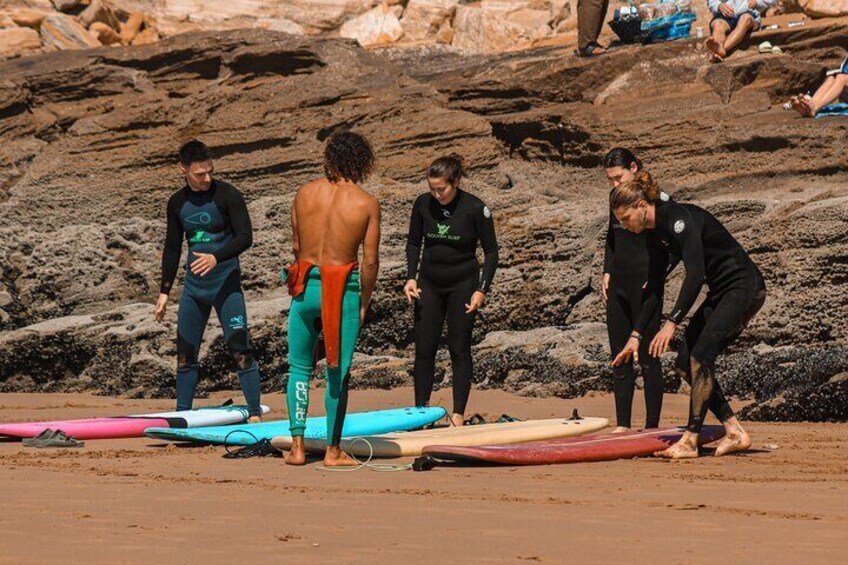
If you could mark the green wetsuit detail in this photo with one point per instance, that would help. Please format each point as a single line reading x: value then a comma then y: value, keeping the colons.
x: 304, y: 317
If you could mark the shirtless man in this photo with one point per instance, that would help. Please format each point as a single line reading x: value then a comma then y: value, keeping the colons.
x: 331, y: 217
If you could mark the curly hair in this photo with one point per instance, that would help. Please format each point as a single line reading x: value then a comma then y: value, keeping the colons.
x: 348, y: 156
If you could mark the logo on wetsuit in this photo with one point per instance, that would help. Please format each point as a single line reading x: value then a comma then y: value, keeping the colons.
x: 443, y: 230
x: 679, y: 226
x: 301, y: 396
x: 237, y: 322
x: 200, y: 219
x: 200, y: 236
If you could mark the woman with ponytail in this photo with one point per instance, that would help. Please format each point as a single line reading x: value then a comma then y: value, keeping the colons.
x: 449, y: 284
x: 633, y: 306
x: 737, y: 291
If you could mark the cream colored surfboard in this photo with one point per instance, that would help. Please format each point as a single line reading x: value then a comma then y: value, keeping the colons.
x: 410, y: 444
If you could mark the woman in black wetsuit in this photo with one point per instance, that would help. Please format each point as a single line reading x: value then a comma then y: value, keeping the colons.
x: 633, y: 308
x: 449, y: 284
x: 737, y: 291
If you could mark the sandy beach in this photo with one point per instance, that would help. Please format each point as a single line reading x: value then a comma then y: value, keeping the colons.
x: 140, y: 500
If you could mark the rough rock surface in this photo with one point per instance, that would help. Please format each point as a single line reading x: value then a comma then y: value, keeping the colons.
x: 16, y: 41
x: 824, y: 8
x: 424, y: 18
x: 87, y: 164
x: 59, y: 31
x: 379, y: 26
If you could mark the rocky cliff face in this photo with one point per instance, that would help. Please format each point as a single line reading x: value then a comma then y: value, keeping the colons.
x: 87, y: 165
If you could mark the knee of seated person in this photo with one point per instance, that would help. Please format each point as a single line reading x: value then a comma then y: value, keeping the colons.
x: 746, y: 20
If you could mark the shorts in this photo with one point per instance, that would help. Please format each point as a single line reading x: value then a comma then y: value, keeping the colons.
x: 733, y: 21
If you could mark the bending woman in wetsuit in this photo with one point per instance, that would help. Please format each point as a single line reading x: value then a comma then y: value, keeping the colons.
x: 449, y: 285
x: 737, y: 291
x: 633, y: 308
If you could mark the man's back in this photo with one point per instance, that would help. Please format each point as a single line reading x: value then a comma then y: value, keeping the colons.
x: 330, y: 221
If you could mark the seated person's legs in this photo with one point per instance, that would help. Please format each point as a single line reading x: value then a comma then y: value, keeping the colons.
x: 719, y: 28
x: 745, y: 25
x: 834, y: 89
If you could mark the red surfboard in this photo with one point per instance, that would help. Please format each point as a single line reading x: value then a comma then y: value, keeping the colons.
x: 606, y: 447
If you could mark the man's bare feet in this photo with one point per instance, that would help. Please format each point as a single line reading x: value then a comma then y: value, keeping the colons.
x: 685, y: 448
x: 738, y: 440
x: 716, y: 48
x: 457, y: 419
x: 335, y: 457
x: 297, y: 452
x: 254, y: 420
x: 620, y: 430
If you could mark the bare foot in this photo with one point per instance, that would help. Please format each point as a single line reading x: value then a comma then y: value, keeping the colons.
x: 297, y: 452
x: 795, y: 101
x: 739, y: 440
x: 686, y: 448
x: 335, y: 457
x: 807, y: 106
x: 457, y: 419
x: 254, y: 420
x: 620, y: 430
x: 716, y: 48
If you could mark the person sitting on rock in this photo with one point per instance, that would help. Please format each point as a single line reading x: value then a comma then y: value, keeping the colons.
x: 733, y: 21
x: 834, y: 88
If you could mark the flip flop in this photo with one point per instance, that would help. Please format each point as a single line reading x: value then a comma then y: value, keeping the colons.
x: 765, y: 47
x: 506, y: 418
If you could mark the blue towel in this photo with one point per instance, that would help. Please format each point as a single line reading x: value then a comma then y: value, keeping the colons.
x: 837, y: 109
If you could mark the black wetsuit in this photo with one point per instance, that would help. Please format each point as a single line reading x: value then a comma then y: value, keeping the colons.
x: 449, y: 275
x: 737, y: 291
x: 631, y: 260
x: 214, y: 221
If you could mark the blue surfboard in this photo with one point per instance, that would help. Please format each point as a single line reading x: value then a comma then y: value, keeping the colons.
x: 356, y: 424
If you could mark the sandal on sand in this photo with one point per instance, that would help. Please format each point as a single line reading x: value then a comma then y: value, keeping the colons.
x: 50, y: 438
x: 506, y: 418
x: 765, y: 47
x: 261, y: 448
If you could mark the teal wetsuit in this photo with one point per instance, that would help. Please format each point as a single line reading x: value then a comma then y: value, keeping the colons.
x: 304, y: 317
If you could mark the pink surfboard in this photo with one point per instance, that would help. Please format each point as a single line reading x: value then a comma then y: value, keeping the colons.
x: 603, y: 447
x: 131, y: 426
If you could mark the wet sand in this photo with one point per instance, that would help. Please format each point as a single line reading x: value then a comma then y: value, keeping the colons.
x: 139, y: 500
